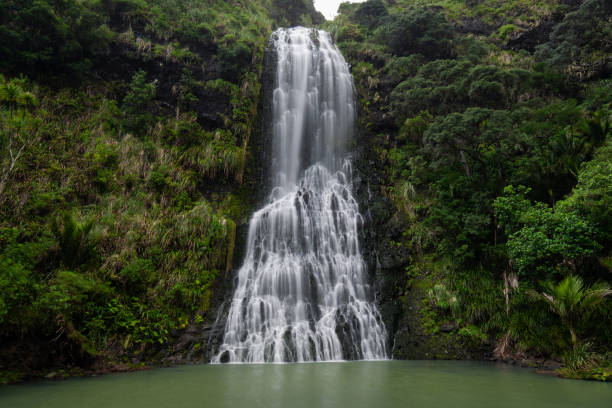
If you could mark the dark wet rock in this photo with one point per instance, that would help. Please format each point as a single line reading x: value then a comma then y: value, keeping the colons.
x: 474, y: 26
x: 412, y: 342
x: 529, y: 40
x: 174, y: 360
x: 347, y: 330
x: 212, y: 106
x: 449, y: 327
x: 550, y: 365
x: 547, y: 372
x: 571, y: 3
x: 199, y: 342
x: 387, y: 258
x: 225, y: 357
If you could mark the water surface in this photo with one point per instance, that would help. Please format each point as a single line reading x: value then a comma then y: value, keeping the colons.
x: 376, y: 384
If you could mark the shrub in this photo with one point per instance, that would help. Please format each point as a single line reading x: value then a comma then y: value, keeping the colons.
x: 444, y: 299
x: 234, y: 60
x: 137, y: 275
x: 137, y: 103
x: 77, y: 244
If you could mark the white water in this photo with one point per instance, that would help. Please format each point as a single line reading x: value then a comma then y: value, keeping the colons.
x: 302, y: 293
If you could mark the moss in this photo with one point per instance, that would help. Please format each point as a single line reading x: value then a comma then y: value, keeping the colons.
x: 595, y: 373
x: 506, y: 31
x: 11, y: 377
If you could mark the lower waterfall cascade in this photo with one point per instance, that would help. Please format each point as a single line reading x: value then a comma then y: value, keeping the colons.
x: 302, y: 292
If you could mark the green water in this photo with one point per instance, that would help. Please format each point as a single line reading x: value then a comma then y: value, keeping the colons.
x: 382, y: 384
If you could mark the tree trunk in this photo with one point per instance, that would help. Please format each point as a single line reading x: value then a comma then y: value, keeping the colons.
x: 574, y: 338
x: 465, y: 163
x: 507, y: 293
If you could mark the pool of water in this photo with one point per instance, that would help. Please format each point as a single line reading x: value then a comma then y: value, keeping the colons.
x: 377, y: 384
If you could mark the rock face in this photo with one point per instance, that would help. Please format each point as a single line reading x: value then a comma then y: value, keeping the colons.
x: 387, y: 261
x: 384, y: 263
x: 529, y: 40
x: 200, y: 342
x: 474, y: 26
x: 413, y: 341
x: 401, y: 308
x: 399, y: 302
x: 211, y: 106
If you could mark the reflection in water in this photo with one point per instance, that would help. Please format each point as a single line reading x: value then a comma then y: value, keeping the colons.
x: 381, y: 384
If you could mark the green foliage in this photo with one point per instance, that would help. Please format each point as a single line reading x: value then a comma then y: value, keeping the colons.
x: 76, y: 240
x: 136, y: 104
x: 474, y: 333
x: 19, y: 127
x: 349, y: 32
x: 414, y: 128
x: 289, y: 13
x: 50, y: 36
x: 507, y: 30
x: 571, y: 300
x: 234, y: 60
x: 116, y: 194
x: 580, y: 363
x: 543, y: 243
x: 17, y: 288
x: 158, y: 180
x: 417, y: 31
x: 137, y: 275
x: 105, y: 160
x: 577, y: 358
x: 400, y: 68
x: 592, y: 196
x: 14, y: 96
x: 370, y: 13
x: 581, y: 41
x: 444, y: 299
x: 445, y: 86
x: 10, y: 377
x: 450, y: 126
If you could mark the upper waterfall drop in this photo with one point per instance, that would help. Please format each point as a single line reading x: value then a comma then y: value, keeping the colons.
x: 302, y: 292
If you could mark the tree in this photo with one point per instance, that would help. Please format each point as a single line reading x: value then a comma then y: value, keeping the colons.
x: 291, y: 13
x: 592, y: 196
x: 370, y: 13
x: 417, y: 31
x: 473, y: 139
x: 42, y: 37
x: 581, y: 42
x: 570, y: 300
x: 542, y: 241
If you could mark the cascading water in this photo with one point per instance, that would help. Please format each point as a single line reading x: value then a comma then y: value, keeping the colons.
x: 302, y: 293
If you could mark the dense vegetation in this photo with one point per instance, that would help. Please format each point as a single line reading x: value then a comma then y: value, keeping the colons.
x: 125, y: 129
x: 126, y: 164
x: 496, y: 154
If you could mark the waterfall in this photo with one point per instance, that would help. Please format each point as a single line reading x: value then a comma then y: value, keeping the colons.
x: 302, y: 292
